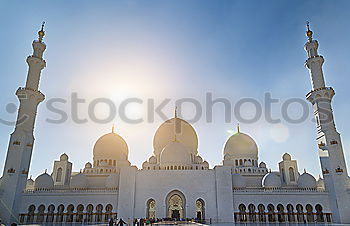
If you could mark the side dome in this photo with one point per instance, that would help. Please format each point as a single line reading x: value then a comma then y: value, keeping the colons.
x: 184, y: 133
x: 271, y: 180
x: 306, y: 180
x: 79, y: 181
x: 88, y: 165
x: 152, y: 160
x: 238, y: 181
x: 112, y: 181
x: 111, y: 146
x: 64, y: 157
x: 30, y: 184
x: 43, y: 181
x: 262, y: 165
x: 175, y: 153
x: 240, y: 146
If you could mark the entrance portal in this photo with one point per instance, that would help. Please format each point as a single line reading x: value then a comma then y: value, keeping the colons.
x: 175, y: 205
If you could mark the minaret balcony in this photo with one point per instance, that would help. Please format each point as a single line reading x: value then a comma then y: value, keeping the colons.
x: 24, y: 93
x: 325, y: 171
x: 339, y: 170
x: 314, y: 59
x: 323, y: 93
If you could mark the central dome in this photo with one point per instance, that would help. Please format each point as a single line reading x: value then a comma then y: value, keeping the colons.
x: 184, y: 133
x: 175, y: 153
x: 240, y: 146
x: 111, y: 146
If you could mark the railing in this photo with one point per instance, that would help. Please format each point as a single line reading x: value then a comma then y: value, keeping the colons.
x: 280, y: 217
x: 78, y: 217
x: 322, y: 88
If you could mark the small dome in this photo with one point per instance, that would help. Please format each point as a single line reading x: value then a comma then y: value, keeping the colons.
x: 262, y: 165
x: 185, y: 134
x: 206, y: 164
x: 30, y: 182
x: 199, y: 159
x: 88, y: 165
x: 240, y: 146
x: 306, y: 180
x: 64, y: 157
x: 286, y: 157
x: 43, y: 181
x: 111, y: 146
x: 152, y: 160
x: 238, y: 181
x: 271, y: 180
x: 79, y: 181
x: 175, y: 153
x: 112, y: 181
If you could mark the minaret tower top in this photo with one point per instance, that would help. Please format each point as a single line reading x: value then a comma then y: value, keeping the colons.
x: 41, y: 33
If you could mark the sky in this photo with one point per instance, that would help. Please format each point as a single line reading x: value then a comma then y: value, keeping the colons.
x: 158, y: 50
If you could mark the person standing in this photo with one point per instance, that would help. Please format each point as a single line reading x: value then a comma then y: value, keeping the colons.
x: 121, y: 222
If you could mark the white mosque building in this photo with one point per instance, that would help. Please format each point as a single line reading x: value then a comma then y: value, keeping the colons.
x: 175, y: 182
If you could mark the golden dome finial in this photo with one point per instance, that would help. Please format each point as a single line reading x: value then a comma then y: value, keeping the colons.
x: 113, y: 128
x: 175, y: 112
x: 308, y: 32
x: 238, y: 131
x: 41, y: 33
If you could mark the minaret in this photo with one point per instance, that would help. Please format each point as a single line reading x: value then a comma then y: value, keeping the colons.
x: 328, y: 139
x: 21, y: 143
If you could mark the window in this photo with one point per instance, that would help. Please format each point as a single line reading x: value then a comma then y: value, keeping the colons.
x: 59, y: 175
x: 291, y: 174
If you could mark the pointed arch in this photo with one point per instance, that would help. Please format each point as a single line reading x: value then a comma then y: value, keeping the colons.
x: 175, y: 203
x: 151, y: 209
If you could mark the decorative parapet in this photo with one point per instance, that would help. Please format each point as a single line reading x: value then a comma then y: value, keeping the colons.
x: 69, y: 190
x: 278, y: 190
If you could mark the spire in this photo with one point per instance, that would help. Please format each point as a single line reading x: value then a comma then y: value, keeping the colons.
x: 45, y: 170
x: 308, y: 32
x: 113, y: 128
x: 304, y: 170
x: 175, y: 112
x: 41, y: 33
x: 238, y: 131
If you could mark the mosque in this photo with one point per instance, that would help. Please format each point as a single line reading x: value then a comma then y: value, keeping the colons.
x: 175, y: 182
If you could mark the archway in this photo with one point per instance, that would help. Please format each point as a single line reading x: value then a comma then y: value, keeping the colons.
x: 290, y: 213
x: 60, y: 213
x: 200, y: 211
x: 41, y: 214
x: 242, y: 213
x: 89, y: 212
x: 251, y: 213
x: 176, y: 203
x: 261, y: 213
x: 80, y: 213
x: 30, y: 216
x: 109, y: 214
x: 151, y: 209
x: 50, y: 213
x: 319, y: 213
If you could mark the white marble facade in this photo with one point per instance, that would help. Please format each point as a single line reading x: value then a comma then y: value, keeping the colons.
x: 175, y: 182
